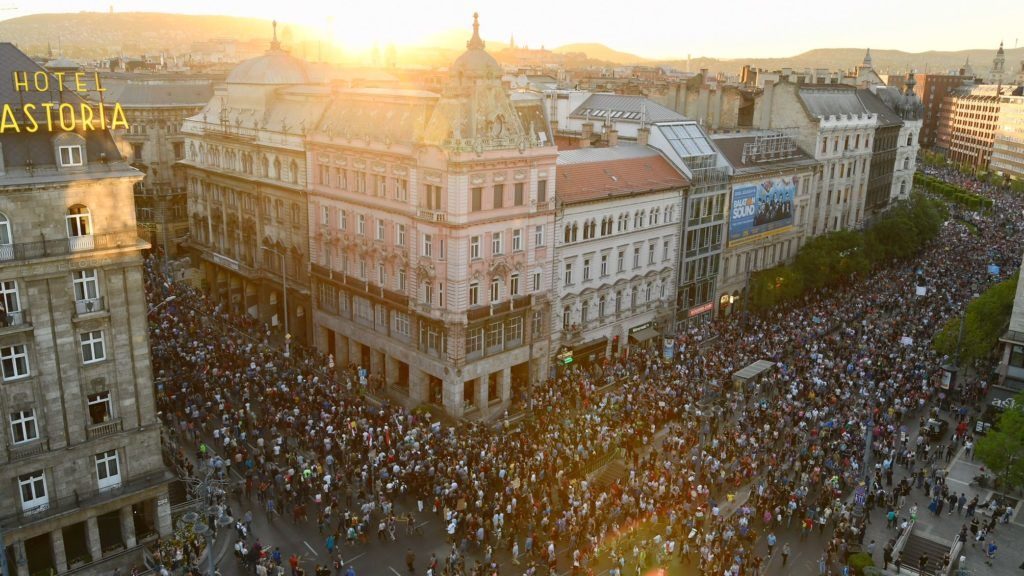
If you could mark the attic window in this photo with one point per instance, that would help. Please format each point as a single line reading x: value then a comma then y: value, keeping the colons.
x: 70, y: 155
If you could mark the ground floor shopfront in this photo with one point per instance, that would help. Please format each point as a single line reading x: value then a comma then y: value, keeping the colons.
x: 245, y: 290
x: 109, y: 531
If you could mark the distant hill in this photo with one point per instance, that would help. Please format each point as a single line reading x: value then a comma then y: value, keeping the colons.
x: 885, y: 61
x: 596, y: 51
x: 100, y: 34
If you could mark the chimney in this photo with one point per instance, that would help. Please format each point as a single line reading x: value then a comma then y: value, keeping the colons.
x: 642, y: 135
x: 613, y: 137
x: 588, y: 133
x: 554, y: 126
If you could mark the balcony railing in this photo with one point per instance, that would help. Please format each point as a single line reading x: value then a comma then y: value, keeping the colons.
x: 89, y: 305
x: 82, y: 243
x: 15, y: 318
x: 104, y: 429
x: 63, y: 246
x: 431, y: 215
x: 33, y: 448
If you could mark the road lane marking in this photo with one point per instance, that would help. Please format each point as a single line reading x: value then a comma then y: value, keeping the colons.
x: 422, y: 524
x: 397, y: 573
x: 310, y: 548
x: 353, y: 559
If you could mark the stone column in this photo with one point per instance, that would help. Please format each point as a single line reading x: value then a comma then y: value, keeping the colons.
x: 505, y: 385
x: 20, y: 558
x: 92, y: 533
x: 451, y: 396
x: 60, y: 560
x: 418, y: 385
x: 391, y: 369
x: 128, y: 527
x: 480, y: 393
x: 163, y: 516
x: 376, y: 362
x: 355, y: 353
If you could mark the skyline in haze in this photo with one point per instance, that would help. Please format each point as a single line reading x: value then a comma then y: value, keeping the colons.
x: 656, y: 31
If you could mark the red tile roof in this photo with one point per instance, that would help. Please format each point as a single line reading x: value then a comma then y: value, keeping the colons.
x: 585, y: 182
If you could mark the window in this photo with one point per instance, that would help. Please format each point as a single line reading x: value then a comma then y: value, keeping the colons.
x: 401, y: 189
x: 585, y: 312
x: 401, y: 279
x: 568, y: 273
x: 380, y: 184
x: 538, y: 235
x: 361, y: 224
x: 665, y: 249
x: 23, y: 426
x: 618, y: 301
x: 14, y: 361
x: 92, y: 347
x: 538, y: 323
x: 380, y: 229
x: 342, y: 220
x: 474, y: 340
x: 9, y: 300
x: 87, y: 287
x: 433, y: 197
x: 362, y: 268
x: 495, y: 333
x: 566, y: 318
x: 636, y: 257
x: 514, y: 330
x: 108, y: 469
x: 536, y: 282
x: 325, y: 215
x: 401, y: 323
x: 495, y: 289
x: 518, y: 196
x: 70, y: 155
x: 428, y: 245
x: 400, y: 234
x: 655, y: 212
x: 79, y: 222
x: 650, y: 253
x: 474, y: 293
x: 440, y: 294
x: 474, y: 247
x: 382, y: 275
x: 621, y: 260
x: 602, y: 303
x: 477, y: 194
x: 586, y: 269
x: 101, y: 409
x: 499, y: 195
x: 6, y: 238
x: 517, y: 240
x: 542, y: 191
x: 33, y: 491
x: 604, y: 264
x: 496, y: 245
x: 513, y: 285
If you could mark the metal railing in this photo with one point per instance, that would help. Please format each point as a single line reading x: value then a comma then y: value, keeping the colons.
x: 15, y: 318
x: 89, y: 305
x: 104, y: 429
x: 431, y: 215
x: 63, y: 246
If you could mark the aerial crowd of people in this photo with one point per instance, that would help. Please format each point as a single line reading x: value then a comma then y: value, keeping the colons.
x: 717, y: 476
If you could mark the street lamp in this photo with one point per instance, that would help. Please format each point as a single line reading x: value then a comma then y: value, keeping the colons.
x: 284, y: 284
x: 166, y: 301
x: 216, y: 517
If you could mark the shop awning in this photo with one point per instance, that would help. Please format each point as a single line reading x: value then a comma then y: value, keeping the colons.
x: 753, y: 371
x: 644, y: 335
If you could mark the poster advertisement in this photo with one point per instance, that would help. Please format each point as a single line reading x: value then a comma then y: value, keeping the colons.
x: 762, y: 207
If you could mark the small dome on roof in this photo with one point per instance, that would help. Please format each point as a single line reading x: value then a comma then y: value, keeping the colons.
x: 476, y: 61
x: 277, y: 66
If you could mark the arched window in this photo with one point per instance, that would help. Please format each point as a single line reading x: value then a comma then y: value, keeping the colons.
x: 264, y: 167
x: 293, y: 168
x: 277, y: 169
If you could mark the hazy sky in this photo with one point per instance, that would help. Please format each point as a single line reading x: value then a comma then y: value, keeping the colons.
x: 652, y: 28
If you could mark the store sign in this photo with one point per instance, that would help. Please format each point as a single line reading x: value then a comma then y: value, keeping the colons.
x: 701, y: 309
x: 58, y: 116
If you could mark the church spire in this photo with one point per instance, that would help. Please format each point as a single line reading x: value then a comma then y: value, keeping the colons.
x: 512, y: 41
x: 475, y: 43
x: 867, y: 59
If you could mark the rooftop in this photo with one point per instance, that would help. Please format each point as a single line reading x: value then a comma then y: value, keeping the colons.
x: 732, y: 147
x: 589, y: 174
x: 624, y: 108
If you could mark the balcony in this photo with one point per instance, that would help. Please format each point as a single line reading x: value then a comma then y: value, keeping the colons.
x: 22, y: 251
x: 89, y: 306
x: 102, y: 429
x: 431, y: 215
x: 82, y: 243
x: 28, y: 449
x: 16, y: 319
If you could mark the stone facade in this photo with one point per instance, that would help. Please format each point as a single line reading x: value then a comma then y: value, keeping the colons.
x: 81, y: 473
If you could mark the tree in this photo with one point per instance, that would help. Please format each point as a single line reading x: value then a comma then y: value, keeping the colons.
x: 984, y: 323
x: 1002, y: 449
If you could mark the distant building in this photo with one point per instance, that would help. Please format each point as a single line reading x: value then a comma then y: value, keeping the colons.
x: 968, y: 122
x: 616, y: 250
x: 998, y: 74
x: 82, y: 480
x: 1011, y: 366
x: 932, y: 89
x: 908, y: 106
x: 156, y: 106
x: 1008, y: 147
x: 763, y: 163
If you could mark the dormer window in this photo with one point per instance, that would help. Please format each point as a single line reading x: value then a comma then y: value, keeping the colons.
x: 70, y: 155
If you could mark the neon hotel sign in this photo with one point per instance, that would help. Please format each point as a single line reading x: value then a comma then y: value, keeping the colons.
x: 63, y: 116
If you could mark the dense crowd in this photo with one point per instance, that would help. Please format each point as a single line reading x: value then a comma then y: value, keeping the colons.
x: 850, y: 361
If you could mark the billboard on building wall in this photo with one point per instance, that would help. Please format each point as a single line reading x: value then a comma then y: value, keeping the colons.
x: 760, y: 208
